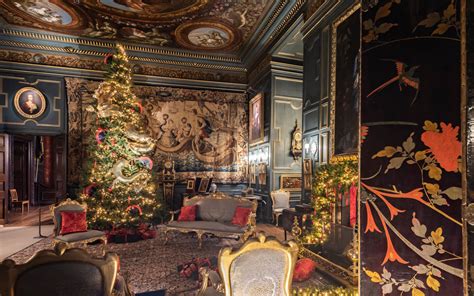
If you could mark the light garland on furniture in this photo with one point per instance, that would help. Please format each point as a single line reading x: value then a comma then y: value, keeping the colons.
x: 329, y: 179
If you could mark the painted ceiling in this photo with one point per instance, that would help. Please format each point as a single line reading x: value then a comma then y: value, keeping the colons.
x: 200, y: 25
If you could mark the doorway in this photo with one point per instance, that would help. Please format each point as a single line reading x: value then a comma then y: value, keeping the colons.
x: 22, y: 164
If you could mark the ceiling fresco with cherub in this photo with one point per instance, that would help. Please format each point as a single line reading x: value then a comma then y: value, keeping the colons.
x: 206, y: 25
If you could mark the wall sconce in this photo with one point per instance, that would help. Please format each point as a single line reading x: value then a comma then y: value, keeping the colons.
x: 306, y: 148
x: 310, y: 147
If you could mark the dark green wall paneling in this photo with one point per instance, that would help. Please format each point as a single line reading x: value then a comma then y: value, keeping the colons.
x: 286, y: 110
x: 53, y: 119
x: 316, y: 99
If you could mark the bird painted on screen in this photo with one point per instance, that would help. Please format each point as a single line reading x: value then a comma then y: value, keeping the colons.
x: 404, y: 78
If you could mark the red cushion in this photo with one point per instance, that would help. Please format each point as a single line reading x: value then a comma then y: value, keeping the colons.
x: 73, y: 222
x: 241, y: 216
x: 303, y: 269
x: 188, y: 213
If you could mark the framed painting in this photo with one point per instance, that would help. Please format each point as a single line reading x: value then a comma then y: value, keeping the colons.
x: 345, y: 85
x: 308, y: 184
x: 256, y: 124
x: 29, y: 102
x: 307, y: 166
x: 291, y: 182
x: 190, y: 183
x: 204, y: 185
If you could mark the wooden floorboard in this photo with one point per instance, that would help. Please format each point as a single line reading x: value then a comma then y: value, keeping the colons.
x: 16, y: 218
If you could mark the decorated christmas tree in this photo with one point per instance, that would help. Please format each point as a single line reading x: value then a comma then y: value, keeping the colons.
x: 119, y: 189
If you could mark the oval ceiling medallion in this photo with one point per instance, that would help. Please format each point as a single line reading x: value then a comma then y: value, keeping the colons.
x: 147, y: 10
x: 52, y: 14
x: 208, y: 34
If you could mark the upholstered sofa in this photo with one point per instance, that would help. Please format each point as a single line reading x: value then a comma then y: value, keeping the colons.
x: 213, y: 217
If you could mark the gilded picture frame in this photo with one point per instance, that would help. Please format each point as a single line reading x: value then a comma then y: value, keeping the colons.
x: 307, y: 166
x: 345, y: 86
x: 256, y: 119
x: 190, y: 183
x: 204, y: 185
x: 29, y: 103
x: 291, y: 182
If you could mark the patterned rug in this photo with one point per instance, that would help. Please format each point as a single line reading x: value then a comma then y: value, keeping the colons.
x: 150, y: 266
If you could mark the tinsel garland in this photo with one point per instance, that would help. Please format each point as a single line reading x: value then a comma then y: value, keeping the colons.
x: 329, y: 180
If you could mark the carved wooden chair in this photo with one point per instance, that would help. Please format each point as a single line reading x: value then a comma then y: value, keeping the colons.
x: 280, y: 201
x: 19, y: 203
x: 60, y: 272
x: 69, y: 239
x: 261, y: 266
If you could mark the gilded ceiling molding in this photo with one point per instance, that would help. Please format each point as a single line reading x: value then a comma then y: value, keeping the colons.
x: 274, y: 16
x: 72, y: 50
x: 105, y: 44
x: 97, y: 64
x: 283, y: 25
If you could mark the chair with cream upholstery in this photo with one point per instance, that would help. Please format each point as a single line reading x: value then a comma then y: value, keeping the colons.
x: 69, y: 239
x: 280, y: 201
x: 261, y: 266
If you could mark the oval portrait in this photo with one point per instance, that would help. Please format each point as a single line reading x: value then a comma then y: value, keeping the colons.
x: 29, y: 102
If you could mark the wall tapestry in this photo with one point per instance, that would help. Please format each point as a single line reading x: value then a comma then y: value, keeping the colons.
x: 411, y: 164
x: 204, y: 132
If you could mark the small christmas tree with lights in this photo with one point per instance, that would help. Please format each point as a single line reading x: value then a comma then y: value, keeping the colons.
x: 119, y: 190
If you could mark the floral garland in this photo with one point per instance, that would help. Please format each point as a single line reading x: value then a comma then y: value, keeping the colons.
x: 329, y: 180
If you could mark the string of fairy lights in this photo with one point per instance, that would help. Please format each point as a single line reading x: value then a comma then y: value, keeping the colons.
x: 329, y: 180
x: 115, y: 195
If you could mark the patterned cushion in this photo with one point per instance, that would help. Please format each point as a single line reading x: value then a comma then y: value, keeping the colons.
x: 188, y: 213
x: 73, y: 222
x: 241, y: 216
x: 66, y: 207
x: 303, y: 269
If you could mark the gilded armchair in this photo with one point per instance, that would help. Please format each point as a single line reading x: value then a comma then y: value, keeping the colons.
x: 69, y: 239
x: 62, y: 271
x: 261, y: 266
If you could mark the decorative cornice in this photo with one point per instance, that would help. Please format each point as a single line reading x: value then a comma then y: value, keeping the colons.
x: 292, y: 13
x: 72, y: 50
x: 288, y: 18
x: 58, y: 60
x: 108, y: 45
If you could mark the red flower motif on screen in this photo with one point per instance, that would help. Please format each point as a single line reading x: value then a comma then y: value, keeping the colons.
x: 444, y: 145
